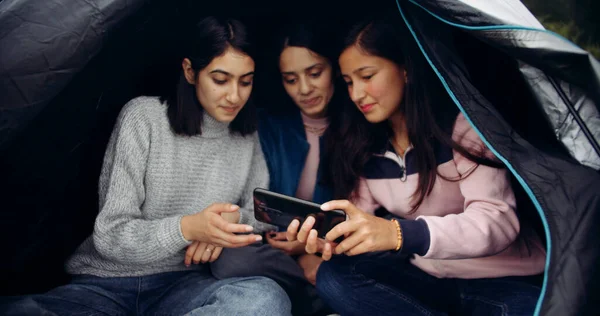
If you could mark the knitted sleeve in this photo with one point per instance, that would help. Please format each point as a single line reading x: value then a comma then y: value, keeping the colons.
x: 121, y: 233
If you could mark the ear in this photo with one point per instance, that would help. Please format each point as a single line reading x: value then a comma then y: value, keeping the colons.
x: 188, y: 71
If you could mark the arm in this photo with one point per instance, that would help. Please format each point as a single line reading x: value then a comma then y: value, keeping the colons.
x: 121, y: 232
x: 488, y: 224
x: 257, y: 178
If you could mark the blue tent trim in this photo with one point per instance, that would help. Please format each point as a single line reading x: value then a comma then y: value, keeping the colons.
x: 496, y: 153
x: 493, y: 27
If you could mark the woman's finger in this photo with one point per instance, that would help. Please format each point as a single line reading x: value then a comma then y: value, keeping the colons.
x: 312, y: 245
x: 199, y: 252
x: 216, y: 253
x: 281, y: 245
x: 326, y: 254
x: 281, y: 236
x: 207, y: 253
x: 305, y: 229
x: 235, y: 241
x: 343, y: 229
x: 359, y: 249
x: 226, y: 226
x: 343, y: 205
x: 189, y: 253
x: 348, y: 243
x: 219, y: 208
x: 292, y: 230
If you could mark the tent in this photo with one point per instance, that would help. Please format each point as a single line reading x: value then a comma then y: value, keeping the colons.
x: 67, y: 67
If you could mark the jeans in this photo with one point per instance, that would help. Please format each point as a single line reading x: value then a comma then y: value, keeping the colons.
x: 381, y: 284
x: 171, y: 293
x: 264, y: 260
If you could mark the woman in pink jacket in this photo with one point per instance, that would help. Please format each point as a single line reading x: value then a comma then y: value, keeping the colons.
x: 432, y: 226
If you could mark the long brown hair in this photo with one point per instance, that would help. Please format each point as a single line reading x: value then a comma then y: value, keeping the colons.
x: 427, y: 109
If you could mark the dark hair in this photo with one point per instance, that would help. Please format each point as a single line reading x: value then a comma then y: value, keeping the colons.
x: 428, y: 111
x: 201, y: 43
x: 319, y: 36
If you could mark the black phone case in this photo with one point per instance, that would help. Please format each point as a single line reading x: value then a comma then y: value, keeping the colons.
x: 280, y: 210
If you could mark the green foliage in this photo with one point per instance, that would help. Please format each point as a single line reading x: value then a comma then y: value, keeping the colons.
x: 565, y: 17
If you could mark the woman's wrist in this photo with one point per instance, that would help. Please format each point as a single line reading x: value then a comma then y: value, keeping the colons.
x: 186, y: 228
x: 397, y: 238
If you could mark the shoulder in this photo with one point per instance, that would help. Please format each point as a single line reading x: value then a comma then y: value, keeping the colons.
x: 143, y: 109
x: 139, y: 115
x: 467, y: 137
x: 464, y: 134
x: 271, y: 126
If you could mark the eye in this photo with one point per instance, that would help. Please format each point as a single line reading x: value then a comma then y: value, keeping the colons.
x: 367, y: 77
x: 219, y: 82
x: 348, y: 83
x: 316, y: 74
x: 289, y: 81
x: 246, y: 83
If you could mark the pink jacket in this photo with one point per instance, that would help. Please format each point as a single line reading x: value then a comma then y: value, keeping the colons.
x: 473, y: 229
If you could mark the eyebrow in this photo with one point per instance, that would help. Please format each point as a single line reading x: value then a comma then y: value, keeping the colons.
x: 362, y: 68
x: 305, y: 69
x: 230, y: 75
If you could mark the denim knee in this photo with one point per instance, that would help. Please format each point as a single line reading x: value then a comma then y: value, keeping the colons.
x: 268, y: 298
x: 332, y: 279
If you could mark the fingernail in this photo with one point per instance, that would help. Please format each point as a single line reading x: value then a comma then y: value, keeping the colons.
x: 310, y: 220
x: 234, y: 207
x: 249, y: 228
x: 324, y: 206
x: 295, y: 222
x: 258, y: 238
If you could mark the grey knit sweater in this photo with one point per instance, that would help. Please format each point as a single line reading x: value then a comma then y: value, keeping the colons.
x: 151, y: 178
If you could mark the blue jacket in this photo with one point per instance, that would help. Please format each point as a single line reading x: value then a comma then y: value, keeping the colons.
x: 284, y: 144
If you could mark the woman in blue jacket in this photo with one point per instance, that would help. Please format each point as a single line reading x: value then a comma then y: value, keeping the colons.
x: 294, y: 138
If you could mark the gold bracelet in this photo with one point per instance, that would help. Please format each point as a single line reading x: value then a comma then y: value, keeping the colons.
x: 398, y: 233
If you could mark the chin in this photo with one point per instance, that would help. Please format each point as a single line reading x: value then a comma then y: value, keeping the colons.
x: 226, y: 118
x: 374, y: 118
x: 318, y: 111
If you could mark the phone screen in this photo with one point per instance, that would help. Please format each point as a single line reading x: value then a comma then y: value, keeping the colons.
x: 280, y: 210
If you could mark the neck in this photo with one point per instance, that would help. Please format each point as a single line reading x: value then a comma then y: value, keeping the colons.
x: 400, y: 133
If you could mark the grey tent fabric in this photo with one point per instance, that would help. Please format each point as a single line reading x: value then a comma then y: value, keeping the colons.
x: 43, y: 45
x: 569, y: 82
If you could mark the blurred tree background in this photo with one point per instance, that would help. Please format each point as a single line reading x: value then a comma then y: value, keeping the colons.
x: 577, y: 20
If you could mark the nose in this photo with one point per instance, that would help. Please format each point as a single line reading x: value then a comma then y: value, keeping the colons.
x: 233, y: 96
x: 305, y: 88
x: 356, y: 92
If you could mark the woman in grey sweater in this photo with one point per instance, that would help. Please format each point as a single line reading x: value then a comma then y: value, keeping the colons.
x: 174, y: 171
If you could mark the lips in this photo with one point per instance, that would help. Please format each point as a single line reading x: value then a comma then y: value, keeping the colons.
x: 311, y: 101
x: 230, y: 109
x: 367, y: 107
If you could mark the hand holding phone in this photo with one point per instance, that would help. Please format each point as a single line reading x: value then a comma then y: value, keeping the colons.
x: 280, y: 210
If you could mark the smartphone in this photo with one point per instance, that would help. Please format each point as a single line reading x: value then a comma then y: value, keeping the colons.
x: 280, y: 210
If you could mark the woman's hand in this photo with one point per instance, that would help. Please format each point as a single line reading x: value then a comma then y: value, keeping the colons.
x: 210, y: 227
x: 364, y: 232
x: 310, y: 265
x: 279, y: 241
x: 201, y: 252
x: 308, y: 236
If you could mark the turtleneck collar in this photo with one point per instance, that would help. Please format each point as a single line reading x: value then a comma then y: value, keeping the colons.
x: 211, y: 128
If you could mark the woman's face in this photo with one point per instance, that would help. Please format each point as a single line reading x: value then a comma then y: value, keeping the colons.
x: 307, y: 79
x: 375, y: 84
x: 223, y: 86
